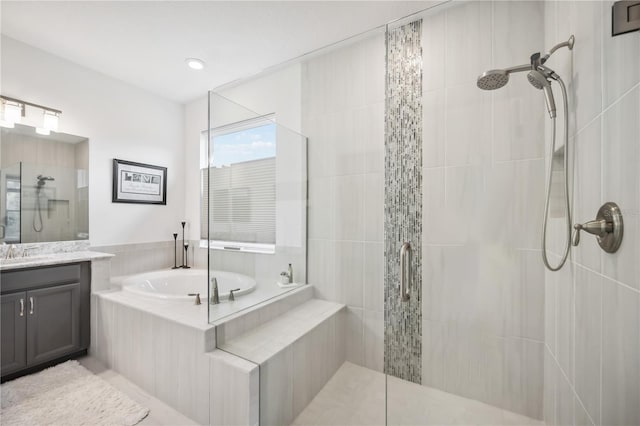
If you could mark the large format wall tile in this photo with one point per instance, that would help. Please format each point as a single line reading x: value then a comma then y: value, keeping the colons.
x: 434, y: 113
x: 467, y: 42
x: 565, y: 318
x: 523, y: 376
x: 587, y: 194
x: 234, y: 390
x: 518, y: 111
x: 349, y: 261
x: 588, y: 339
x: 468, y: 126
x: 621, y: 183
x: 620, y: 355
x: 587, y: 26
x: 621, y: 60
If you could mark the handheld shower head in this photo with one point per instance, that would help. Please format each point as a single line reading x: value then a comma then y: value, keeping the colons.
x: 540, y: 82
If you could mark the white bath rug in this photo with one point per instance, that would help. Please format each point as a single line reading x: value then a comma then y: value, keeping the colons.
x: 67, y: 394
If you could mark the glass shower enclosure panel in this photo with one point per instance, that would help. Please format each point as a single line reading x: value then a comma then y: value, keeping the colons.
x: 10, y: 184
x: 254, y: 207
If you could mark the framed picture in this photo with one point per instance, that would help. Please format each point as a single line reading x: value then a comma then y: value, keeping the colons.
x: 138, y: 183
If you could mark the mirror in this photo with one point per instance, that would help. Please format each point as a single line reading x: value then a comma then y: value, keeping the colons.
x: 44, y: 186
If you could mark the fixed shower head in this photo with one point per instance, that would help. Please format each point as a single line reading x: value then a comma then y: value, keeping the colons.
x: 493, y: 79
x: 540, y: 82
x: 42, y: 179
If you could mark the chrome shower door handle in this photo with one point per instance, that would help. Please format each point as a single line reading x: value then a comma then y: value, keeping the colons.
x: 405, y: 271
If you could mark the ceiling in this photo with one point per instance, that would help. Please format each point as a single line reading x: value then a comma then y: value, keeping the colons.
x: 145, y: 43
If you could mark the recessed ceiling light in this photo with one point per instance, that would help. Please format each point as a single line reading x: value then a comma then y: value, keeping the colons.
x: 195, y: 63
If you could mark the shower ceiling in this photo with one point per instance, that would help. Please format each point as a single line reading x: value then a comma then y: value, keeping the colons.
x: 145, y: 43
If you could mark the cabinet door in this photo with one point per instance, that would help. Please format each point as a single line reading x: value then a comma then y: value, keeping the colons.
x: 14, y: 332
x: 53, y: 322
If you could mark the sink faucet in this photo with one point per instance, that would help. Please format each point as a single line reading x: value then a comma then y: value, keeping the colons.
x: 11, y: 252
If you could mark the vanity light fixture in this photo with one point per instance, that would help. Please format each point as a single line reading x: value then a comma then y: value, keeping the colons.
x: 50, y: 120
x: 195, y: 63
x: 12, y: 113
x: 14, y: 110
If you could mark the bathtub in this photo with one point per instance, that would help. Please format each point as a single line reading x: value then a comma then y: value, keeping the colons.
x: 177, y: 284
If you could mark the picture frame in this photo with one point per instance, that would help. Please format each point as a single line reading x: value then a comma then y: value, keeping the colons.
x: 138, y: 183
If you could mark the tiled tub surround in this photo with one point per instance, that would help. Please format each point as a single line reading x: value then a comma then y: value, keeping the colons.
x: 298, y: 352
x: 169, y: 350
x: 592, y: 306
x: 144, y: 257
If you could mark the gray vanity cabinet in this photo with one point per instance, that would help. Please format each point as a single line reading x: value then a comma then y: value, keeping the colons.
x: 45, y: 316
x: 52, y: 322
x: 14, y: 332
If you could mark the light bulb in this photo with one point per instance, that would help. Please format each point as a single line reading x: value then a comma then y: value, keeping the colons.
x: 50, y: 121
x: 42, y: 131
x: 12, y: 112
x: 195, y: 63
x: 4, y: 123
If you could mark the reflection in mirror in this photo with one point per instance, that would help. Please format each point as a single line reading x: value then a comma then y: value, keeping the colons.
x: 44, y: 187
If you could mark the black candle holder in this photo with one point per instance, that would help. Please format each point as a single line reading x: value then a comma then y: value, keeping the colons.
x: 175, y: 251
x: 183, y: 259
x: 186, y: 254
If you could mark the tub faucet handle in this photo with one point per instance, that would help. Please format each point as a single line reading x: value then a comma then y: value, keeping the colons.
x: 232, y: 297
x: 197, y: 295
x: 215, y: 298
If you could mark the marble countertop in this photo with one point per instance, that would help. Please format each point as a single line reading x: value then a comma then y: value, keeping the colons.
x: 51, y: 259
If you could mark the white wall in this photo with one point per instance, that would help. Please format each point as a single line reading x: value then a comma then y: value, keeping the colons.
x: 121, y: 121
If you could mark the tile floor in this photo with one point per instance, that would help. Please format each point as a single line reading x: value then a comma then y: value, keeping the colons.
x: 356, y: 396
x: 160, y: 414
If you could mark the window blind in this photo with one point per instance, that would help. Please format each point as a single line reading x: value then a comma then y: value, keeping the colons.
x: 241, y: 199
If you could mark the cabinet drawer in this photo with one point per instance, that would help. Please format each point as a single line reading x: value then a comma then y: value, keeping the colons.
x: 21, y: 279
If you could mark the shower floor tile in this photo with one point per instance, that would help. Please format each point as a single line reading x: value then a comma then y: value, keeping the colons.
x: 356, y: 396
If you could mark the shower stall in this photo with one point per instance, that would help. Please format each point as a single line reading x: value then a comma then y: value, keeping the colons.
x: 429, y: 209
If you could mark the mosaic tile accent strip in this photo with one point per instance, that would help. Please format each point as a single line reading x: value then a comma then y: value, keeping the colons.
x: 403, y: 200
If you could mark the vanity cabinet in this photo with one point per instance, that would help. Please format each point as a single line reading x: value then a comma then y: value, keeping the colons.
x: 14, y: 332
x: 45, y: 315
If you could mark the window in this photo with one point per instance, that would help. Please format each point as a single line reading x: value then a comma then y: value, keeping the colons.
x: 242, y: 169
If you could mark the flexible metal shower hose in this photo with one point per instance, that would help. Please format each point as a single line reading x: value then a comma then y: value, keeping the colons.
x: 566, y: 185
